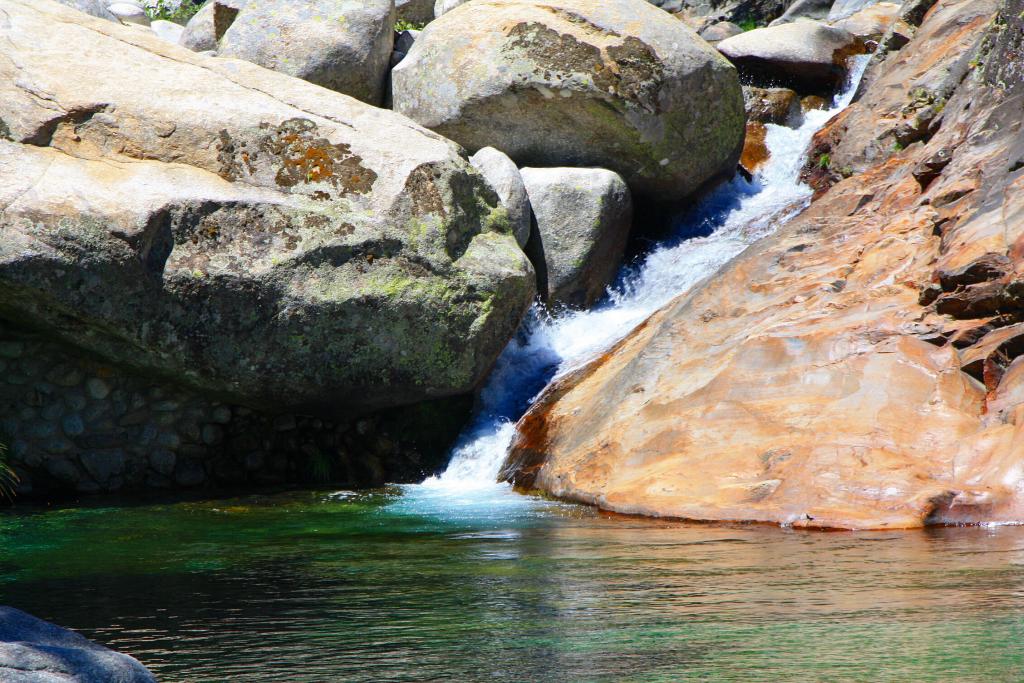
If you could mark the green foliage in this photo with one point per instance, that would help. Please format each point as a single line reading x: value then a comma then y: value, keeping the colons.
x: 8, y: 478
x: 748, y: 25
x: 165, y: 10
x: 898, y: 146
x: 403, y: 25
x: 320, y: 466
x: 824, y: 161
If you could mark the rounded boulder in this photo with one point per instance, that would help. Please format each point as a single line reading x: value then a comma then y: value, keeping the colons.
x: 617, y: 84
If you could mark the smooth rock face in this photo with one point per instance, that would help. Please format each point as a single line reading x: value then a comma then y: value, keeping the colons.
x: 583, y: 220
x: 807, y: 56
x: 502, y: 175
x: 293, y: 250
x: 36, y: 651
x: 207, y: 26
x: 617, y: 84
x: 808, y: 383
x: 339, y: 44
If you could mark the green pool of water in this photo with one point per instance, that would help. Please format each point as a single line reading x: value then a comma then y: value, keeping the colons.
x: 414, y: 585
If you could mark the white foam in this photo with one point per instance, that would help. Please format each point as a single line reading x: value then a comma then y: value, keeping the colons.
x: 732, y: 218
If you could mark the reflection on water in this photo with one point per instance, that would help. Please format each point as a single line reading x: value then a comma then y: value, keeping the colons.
x: 315, y: 587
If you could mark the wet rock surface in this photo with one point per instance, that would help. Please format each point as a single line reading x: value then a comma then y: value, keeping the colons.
x: 861, y: 368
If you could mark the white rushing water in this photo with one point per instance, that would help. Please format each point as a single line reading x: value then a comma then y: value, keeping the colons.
x: 724, y: 224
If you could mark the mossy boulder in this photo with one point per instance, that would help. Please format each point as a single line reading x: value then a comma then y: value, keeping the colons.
x: 616, y: 84
x: 241, y: 231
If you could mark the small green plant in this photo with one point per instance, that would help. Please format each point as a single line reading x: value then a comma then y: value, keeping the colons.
x: 898, y: 146
x: 167, y: 10
x: 8, y: 477
x: 403, y: 25
x: 824, y: 161
x: 748, y: 25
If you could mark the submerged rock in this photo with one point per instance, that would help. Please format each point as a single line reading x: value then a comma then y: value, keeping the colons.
x: 806, y: 56
x: 36, y: 651
x: 583, y: 220
x: 341, y: 45
x: 241, y: 231
x: 615, y: 84
x: 807, y: 383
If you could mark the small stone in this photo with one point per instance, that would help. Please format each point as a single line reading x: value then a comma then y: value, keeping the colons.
x: 75, y: 401
x: 9, y: 425
x: 254, y: 460
x: 11, y: 349
x: 52, y: 412
x: 57, y: 445
x: 103, y: 465
x: 62, y: 470
x: 65, y: 376
x: 163, y: 461
x: 221, y: 415
x: 190, y: 473
x: 41, y: 430
x: 73, y: 425
x: 212, y: 434
x: 166, y: 419
x: 169, y: 440
x: 284, y: 423
x: 97, y: 388
x: 166, y: 406
x: 148, y: 433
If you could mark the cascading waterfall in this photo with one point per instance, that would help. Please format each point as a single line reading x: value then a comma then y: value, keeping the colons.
x: 726, y: 222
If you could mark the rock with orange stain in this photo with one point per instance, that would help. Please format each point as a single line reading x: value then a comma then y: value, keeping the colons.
x: 807, y: 383
x: 755, y: 151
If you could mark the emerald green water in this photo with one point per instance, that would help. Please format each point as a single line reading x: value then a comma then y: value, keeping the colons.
x: 413, y: 585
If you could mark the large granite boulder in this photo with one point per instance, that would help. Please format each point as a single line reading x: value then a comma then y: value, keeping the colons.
x: 583, y: 219
x: 805, y: 55
x: 616, y: 84
x: 807, y: 383
x: 255, y: 236
x: 339, y: 44
x: 36, y: 651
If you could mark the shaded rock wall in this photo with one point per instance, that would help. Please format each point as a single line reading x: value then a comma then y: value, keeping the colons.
x: 76, y: 424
